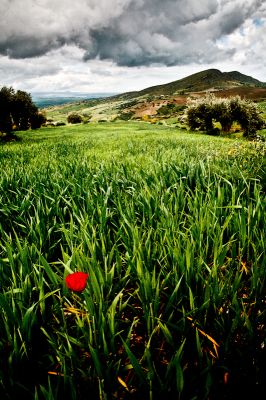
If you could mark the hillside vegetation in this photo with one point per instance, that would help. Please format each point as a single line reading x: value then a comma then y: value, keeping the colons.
x: 170, y: 227
x: 152, y: 103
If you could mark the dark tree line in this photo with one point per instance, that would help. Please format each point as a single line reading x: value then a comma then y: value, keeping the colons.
x: 17, y: 111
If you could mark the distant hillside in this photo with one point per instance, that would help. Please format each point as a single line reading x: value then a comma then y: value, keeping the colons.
x: 201, y: 81
x: 149, y: 103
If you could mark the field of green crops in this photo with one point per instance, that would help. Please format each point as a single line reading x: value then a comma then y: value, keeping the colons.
x: 170, y: 227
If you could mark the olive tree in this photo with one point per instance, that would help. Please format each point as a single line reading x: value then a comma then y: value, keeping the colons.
x: 203, y: 112
x: 6, y: 122
x: 17, y: 111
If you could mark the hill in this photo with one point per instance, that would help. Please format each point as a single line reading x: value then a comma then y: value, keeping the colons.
x: 172, y: 96
x: 201, y: 81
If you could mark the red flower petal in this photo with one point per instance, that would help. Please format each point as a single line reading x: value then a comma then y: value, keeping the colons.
x: 77, y: 281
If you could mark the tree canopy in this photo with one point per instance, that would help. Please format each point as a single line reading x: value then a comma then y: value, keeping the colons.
x: 203, y: 112
x: 17, y: 111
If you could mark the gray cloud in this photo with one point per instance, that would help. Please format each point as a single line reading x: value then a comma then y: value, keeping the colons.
x: 127, y: 32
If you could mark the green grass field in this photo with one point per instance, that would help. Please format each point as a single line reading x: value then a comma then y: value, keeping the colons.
x: 170, y: 227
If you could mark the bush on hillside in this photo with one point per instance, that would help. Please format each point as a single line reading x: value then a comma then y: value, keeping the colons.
x: 126, y: 116
x: 170, y: 109
x: 74, y: 118
x: 86, y: 117
x: 127, y: 104
x: 203, y: 112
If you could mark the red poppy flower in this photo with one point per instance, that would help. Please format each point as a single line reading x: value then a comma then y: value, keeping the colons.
x: 77, y: 281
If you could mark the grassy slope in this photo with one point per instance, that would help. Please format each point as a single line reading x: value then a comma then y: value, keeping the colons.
x: 95, y: 109
x: 169, y: 226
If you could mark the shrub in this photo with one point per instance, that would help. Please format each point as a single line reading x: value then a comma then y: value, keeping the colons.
x: 145, y: 117
x: 170, y: 109
x: 203, y: 112
x: 37, y: 120
x: 126, y: 116
x: 74, y: 118
x: 128, y: 104
x: 86, y: 117
x: 85, y: 114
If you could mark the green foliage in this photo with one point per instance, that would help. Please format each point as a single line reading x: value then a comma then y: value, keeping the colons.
x: 17, y: 111
x: 37, y: 120
x: 126, y: 116
x: 74, y: 118
x: 203, y: 112
x: 170, y: 109
x: 6, y: 96
x: 86, y: 117
x: 23, y: 110
x: 170, y: 228
x: 127, y: 104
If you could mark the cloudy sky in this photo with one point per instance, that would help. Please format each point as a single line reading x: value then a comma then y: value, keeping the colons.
x: 121, y: 45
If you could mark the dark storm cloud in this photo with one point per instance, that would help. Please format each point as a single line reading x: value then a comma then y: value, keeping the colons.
x: 128, y: 32
x: 27, y: 47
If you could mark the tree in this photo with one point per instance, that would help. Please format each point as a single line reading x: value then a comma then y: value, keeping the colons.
x: 6, y: 122
x: 74, y: 118
x: 22, y: 110
x: 203, y: 112
x: 222, y: 113
x: 37, y: 119
x: 17, y: 111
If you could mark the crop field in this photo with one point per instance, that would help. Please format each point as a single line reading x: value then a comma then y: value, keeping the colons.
x: 170, y: 228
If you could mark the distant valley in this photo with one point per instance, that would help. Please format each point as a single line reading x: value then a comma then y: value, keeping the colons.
x: 44, y: 100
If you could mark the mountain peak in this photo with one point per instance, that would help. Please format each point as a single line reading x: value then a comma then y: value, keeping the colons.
x: 205, y: 80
